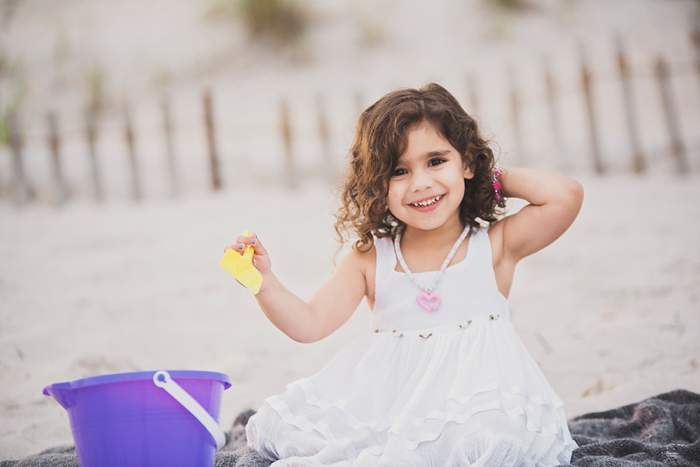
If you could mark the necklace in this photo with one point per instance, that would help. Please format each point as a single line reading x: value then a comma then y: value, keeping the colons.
x: 427, y: 299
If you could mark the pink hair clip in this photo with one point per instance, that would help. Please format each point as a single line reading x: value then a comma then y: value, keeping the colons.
x: 496, y: 184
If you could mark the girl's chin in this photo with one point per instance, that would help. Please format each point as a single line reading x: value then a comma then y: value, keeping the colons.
x: 425, y: 222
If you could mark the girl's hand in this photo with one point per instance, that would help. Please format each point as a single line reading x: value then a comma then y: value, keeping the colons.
x: 261, y: 260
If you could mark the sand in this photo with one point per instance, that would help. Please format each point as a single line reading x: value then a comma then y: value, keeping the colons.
x: 609, y: 310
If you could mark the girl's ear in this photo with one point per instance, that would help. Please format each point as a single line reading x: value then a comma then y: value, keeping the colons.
x: 468, y: 174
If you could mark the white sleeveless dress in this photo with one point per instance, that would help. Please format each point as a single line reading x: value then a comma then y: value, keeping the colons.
x: 455, y: 387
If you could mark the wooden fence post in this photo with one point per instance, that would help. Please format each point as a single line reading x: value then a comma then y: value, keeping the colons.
x: 91, y: 136
x: 638, y: 164
x: 324, y: 137
x: 672, y: 125
x: 695, y: 41
x: 587, y: 85
x: 473, y: 92
x: 552, y: 96
x: 515, y: 107
x: 22, y: 189
x: 170, y: 155
x: 130, y: 139
x: 54, y: 143
x: 290, y: 172
x: 211, y: 140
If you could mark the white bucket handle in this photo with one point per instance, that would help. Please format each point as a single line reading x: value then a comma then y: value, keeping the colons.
x: 163, y: 380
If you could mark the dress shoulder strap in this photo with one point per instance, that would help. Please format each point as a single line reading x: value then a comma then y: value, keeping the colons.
x: 480, y: 247
x: 384, y: 263
x: 384, y: 248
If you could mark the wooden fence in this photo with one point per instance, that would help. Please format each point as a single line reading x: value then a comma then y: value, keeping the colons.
x: 22, y: 189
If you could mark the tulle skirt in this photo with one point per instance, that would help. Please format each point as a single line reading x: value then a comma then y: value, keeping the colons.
x: 466, y: 393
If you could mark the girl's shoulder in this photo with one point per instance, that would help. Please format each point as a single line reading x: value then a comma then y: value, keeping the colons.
x: 364, y: 261
x: 366, y: 258
x: 369, y: 254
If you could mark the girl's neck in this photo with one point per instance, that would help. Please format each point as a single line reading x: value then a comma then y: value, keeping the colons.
x: 446, y: 234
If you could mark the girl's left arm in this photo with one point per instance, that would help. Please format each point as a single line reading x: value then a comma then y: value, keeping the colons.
x: 555, y: 201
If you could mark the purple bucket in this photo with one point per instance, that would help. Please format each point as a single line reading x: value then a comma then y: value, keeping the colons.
x: 145, y: 418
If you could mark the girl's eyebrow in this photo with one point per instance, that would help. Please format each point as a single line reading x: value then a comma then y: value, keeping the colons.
x: 429, y: 154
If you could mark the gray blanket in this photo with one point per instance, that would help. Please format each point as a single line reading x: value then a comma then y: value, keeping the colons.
x: 663, y: 430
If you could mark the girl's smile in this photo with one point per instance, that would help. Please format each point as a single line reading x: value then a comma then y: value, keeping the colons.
x: 427, y: 205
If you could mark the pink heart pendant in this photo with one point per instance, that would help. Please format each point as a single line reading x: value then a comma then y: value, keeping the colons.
x: 428, y: 301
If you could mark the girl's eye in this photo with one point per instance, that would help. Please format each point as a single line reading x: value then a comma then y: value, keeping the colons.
x: 438, y: 160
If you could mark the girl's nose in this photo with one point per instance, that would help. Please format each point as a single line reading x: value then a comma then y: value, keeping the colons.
x: 421, y: 181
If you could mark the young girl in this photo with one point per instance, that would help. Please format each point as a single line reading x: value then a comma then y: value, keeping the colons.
x: 442, y: 378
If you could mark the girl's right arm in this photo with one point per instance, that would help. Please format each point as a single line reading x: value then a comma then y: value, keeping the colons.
x: 328, y: 309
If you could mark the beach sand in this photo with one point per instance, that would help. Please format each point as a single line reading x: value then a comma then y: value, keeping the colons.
x: 609, y: 310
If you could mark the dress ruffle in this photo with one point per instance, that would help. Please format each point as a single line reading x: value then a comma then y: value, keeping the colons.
x: 425, y: 389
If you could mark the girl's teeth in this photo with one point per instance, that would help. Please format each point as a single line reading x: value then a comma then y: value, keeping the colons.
x: 428, y: 203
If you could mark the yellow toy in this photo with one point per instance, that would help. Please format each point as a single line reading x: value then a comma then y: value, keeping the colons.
x: 240, y: 266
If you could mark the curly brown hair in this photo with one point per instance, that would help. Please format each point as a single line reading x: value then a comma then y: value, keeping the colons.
x: 381, y: 138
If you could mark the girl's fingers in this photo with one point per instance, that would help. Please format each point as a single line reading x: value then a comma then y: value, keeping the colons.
x: 241, y: 238
x: 250, y: 240
x: 259, y: 249
x: 256, y: 243
x: 236, y: 246
x: 242, y: 242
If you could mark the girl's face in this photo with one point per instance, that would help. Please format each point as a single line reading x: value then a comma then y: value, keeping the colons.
x: 429, y: 167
